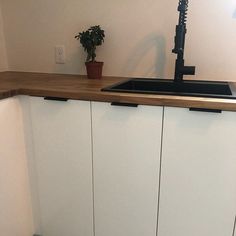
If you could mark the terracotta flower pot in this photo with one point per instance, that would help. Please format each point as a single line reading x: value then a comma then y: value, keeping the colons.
x: 94, y: 69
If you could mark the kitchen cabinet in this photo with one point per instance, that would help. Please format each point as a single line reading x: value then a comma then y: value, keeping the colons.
x: 126, y: 160
x: 61, y: 133
x: 15, y: 201
x: 198, y: 174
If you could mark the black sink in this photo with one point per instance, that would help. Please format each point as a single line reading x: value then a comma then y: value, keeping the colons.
x: 169, y: 87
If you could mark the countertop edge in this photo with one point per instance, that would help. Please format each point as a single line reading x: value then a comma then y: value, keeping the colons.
x: 79, y: 88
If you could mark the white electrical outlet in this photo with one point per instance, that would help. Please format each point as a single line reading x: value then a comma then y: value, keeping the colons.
x: 60, y: 57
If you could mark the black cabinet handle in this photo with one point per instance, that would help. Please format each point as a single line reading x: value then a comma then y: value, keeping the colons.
x: 205, y: 110
x: 124, y: 104
x: 56, y: 99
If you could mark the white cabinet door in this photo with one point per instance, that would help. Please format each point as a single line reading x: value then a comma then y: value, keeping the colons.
x: 15, y: 202
x: 126, y: 154
x: 198, y: 180
x: 62, y: 144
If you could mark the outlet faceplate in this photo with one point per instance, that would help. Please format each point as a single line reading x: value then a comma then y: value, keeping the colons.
x: 60, y: 57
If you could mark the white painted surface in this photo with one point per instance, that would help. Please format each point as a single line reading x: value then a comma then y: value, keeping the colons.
x: 139, y: 36
x: 198, y: 183
x: 3, y: 54
x: 29, y: 145
x: 15, y: 208
x: 62, y: 140
x: 126, y: 153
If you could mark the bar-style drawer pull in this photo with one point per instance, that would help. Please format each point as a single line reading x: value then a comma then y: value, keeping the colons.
x: 205, y: 110
x: 56, y: 99
x: 124, y: 104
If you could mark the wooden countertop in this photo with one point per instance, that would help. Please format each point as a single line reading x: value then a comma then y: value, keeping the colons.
x: 81, y: 88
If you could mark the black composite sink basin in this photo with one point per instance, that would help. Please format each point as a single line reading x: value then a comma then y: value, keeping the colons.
x: 169, y: 87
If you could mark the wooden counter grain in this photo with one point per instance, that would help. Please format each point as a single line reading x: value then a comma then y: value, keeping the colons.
x: 79, y: 87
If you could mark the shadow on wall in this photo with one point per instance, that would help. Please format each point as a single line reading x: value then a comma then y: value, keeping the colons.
x: 152, y: 42
x: 234, y: 14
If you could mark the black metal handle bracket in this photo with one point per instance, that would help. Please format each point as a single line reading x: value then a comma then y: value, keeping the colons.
x: 56, y: 99
x: 205, y: 110
x: 124, y: 104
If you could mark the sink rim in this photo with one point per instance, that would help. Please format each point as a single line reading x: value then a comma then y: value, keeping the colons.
x: 171, y: 93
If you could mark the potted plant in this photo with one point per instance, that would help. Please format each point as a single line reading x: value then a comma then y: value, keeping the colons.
x: 90, y: 39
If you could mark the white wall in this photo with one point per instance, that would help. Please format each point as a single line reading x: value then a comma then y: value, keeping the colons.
x: 3, y: 55
x: 139, y: 36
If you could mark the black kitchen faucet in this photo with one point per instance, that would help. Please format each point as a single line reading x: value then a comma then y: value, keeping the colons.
x: 180, y: 68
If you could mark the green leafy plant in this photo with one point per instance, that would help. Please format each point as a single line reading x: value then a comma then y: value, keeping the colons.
x: 90, y: 39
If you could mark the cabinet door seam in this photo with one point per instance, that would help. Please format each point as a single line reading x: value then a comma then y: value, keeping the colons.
x: 234, y: 226
x: 159, y: 187
x: 92, y: 159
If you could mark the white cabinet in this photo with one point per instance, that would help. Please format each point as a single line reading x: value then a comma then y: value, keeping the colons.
x: 198, y: 174
x: 63, y: 161
x: 97, y: 167
x: 126, y: 154
x: 15, y: 207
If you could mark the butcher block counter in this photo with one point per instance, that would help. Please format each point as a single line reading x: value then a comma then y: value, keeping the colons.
x: 80, y: 88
